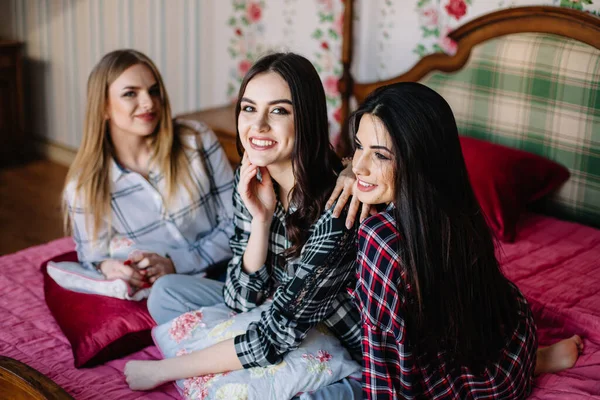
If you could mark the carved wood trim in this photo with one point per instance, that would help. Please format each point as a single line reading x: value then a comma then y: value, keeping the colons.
x: 345, y: 83
x: 573, y: 24
x: 20, y: 381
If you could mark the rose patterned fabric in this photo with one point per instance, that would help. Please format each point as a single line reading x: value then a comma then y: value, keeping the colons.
x: 319, y: 361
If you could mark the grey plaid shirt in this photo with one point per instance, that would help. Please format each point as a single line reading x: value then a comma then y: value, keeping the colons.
x: 306, y: 291
x: 193, y: 232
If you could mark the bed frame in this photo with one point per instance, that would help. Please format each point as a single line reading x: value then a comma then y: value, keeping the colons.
x: 543, y: 19
x: 23, y: 382
x: 573, y: 24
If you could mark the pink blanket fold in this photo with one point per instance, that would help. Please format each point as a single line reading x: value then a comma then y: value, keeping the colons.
x: 28, y: 332
x: 555, y: 263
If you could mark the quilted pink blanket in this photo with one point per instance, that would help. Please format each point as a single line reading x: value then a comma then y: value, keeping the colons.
x: 555, y: 263
x: 28, y: 332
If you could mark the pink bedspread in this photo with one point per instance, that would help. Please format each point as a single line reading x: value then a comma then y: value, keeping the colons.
x: 28, y: 332
x: 556, y: 264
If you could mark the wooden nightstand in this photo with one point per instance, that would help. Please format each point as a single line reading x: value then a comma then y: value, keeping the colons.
x: 222, y: 121
x: 12, y: 121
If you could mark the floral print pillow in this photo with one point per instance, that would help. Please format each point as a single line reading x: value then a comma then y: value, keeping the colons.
x: 319, y: 361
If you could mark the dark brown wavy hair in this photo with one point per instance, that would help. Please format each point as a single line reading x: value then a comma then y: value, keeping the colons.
x: 314, y: 161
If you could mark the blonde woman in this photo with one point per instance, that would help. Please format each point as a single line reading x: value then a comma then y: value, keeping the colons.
x: 143, y: 181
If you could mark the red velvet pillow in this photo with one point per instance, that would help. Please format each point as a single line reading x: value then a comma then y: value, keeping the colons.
x: 505, y: 180
x: 99, y: 328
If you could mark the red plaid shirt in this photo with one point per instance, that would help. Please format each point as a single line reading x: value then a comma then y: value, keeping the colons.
x: 390, y: 369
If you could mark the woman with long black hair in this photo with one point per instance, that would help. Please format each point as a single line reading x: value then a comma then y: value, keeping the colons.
x: 440, y: 320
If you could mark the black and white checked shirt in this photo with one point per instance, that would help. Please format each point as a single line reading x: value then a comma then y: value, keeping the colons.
x: 306, y: 291
x: 193, y: 232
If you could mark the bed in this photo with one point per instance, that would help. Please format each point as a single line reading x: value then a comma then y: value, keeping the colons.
x: 555, y: 262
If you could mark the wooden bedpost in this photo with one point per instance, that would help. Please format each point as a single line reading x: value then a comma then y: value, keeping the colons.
x: 346, y: 83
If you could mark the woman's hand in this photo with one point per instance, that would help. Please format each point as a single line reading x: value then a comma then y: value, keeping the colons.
x: 151, y: 265
x: 344, y: 188
x: 259, y: 197
x: 143, y: 375
x: 115, y: 269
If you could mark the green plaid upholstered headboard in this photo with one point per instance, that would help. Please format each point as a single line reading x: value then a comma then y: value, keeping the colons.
x: 524, y: 77
x: 539, y: 93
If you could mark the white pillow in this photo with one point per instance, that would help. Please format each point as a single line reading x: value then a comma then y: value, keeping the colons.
x: 319, y: 361
x: 74, y: 276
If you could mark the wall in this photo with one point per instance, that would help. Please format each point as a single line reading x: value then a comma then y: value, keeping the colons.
x: 395, y: 34
x: 204, y: 47
x: 65, y: 38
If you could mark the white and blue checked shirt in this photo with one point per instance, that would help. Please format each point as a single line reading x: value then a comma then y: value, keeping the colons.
x: 306, y: 291
x: 194, y: 233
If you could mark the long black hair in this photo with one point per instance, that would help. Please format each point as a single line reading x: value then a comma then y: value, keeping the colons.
x: 464, y: 305
x: 314, y: 161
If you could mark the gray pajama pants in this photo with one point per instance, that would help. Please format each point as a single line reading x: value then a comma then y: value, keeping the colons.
x: 173, y: 295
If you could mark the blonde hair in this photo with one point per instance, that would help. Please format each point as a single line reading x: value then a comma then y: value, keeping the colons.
x: 90, y: 171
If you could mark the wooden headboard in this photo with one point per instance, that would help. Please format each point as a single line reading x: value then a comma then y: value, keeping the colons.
x: 541, y: 19
x: 526, y: 77
x: 526, y: 116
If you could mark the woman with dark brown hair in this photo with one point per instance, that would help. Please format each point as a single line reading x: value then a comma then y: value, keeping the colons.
x: 286, y: 245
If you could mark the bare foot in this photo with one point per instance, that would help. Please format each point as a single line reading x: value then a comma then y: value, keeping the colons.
x: 143, y: 375
x: 559, y: 356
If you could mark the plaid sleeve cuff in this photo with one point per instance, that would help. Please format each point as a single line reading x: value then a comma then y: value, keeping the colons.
x: 244, y: 352
x: 251, y: 349
x: 242, y: 291
x: 254, y: 281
